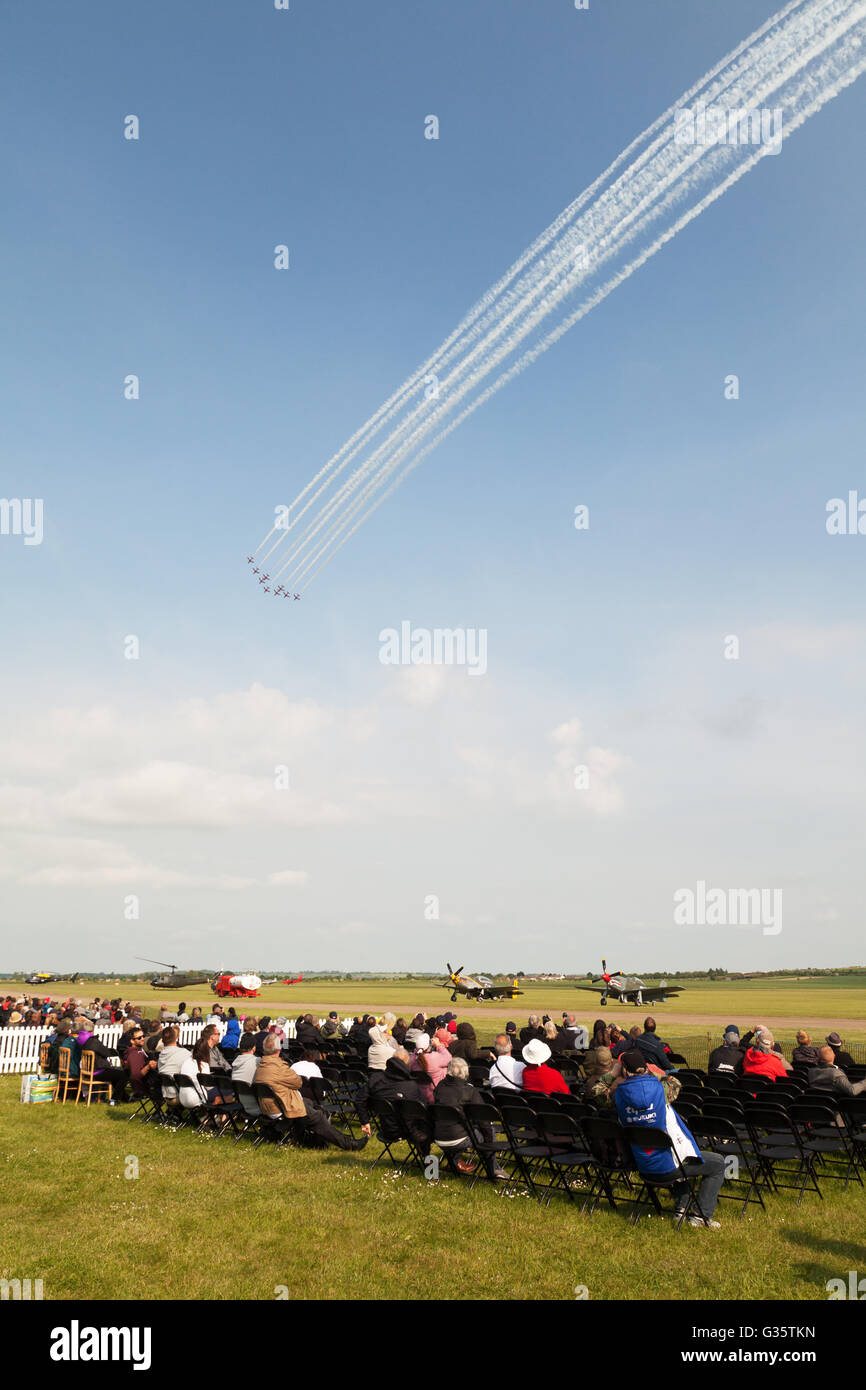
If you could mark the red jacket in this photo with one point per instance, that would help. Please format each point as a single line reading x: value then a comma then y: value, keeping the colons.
x: 545, y: 1079
x: 757, y: 1063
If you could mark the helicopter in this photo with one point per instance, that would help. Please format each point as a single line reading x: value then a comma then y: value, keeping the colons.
x: 176, y: 980
x: 629, y: 989
x: 477, y: 986
x: 44, y: 977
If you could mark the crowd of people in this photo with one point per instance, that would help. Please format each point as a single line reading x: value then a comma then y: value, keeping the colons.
x: 435, y: 1061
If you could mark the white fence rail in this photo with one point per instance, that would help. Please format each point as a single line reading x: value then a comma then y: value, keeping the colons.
x: 19, y: 1047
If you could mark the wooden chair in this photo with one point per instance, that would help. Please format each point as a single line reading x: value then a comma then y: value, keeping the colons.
x: 65, y: 1079
x: 44, y: 1050
x: 87, y: 1079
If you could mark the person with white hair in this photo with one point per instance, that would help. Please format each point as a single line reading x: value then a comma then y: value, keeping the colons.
x: 450, y: 1129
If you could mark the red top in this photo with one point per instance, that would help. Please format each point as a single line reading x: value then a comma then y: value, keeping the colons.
x: 757, y: 1063
x: 545, y: 1079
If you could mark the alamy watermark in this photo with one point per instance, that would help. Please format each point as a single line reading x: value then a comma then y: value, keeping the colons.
x: 729, y: 125
x: 438, y: 646
x: 22, y: 516
x: 729, y: 907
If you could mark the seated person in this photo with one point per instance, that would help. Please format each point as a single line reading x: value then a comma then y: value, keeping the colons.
x: 828, y: 1076
x: 761, y: 1060
x: 640, y: 1101
x: 245, y: 1062
x: 728, y: 1059
x: 455, y: 1090
x: 603, y: 1074
x: 537, y: 1076
x: 431, y: 1058
x: 105, y: 1067
x: 505, y: 1071
x: 843, y: 1058
x: 532, y: 1030
x: 290, y: 1104
x: 140, y: 1065
x: 805, y: 1054
x: 394, y: 1084
x: 652, y: 1047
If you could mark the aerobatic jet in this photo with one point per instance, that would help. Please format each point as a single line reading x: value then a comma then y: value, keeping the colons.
x: 296, y: 597
x: 629, y: 989
x: 250, y: 559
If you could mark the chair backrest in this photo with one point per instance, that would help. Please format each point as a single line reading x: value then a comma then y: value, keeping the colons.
x: 247, y: 1098
x: 722, y: 1080
x: 88, y: 1063
x: 712, y: 1127
x: 542, y: 1104
x: 560, y: 1126
x: 769, y: 1117
x: 723, y: 1108
x: 442, y: 1115
x: 811, y: 1112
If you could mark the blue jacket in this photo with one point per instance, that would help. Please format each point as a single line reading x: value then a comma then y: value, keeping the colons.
x: 232, y: 1036
x: 641, y: 1101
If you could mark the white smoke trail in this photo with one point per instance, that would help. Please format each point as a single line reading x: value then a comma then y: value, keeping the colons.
x: 390, y: 450
x: 465, y: 329
x: 620, y: 214
x: 533, y: 354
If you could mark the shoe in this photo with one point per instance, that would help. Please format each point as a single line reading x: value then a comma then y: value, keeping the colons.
x: 358, y: 1143
x: 464, y: 1166
x: 500, y: 1175
x: 705, y: 1225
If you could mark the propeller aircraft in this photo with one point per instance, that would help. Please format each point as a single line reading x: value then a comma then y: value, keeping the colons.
x: 477, y: 986
x: 629, y: 989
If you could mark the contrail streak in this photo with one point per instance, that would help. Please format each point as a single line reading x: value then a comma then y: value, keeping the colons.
x: 798, y: 60
x: 854, y: 49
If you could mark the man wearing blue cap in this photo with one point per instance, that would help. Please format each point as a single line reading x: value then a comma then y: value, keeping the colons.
x: 729, y: 1057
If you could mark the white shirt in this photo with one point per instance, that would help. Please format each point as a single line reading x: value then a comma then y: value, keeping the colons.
x: 307, y: 1069
x: 506, y: 1072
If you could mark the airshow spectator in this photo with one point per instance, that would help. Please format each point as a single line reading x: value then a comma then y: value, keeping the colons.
x: 182, y: 1015
x: 805, y: 1053
x: 61, y: 1035
x: 532, y: 1030
x: 537, y: 1076
x: 286, y: 1084
x: 620, y: 1042
x: 138, y: 1064
x: 264, y: 1025
x: 652, y: 1046
x: 761, y: 1060
x: 398, y: 1032
x: 827, y: 1075
x: 394, y: 1084
x: 154, y: 1036
x: 307, y: 1033
x: 381, y: 1046
x: 843, y: 1058
x: 331, y: 1025
x: 577, y: 1034
x: 359, y: 1033
x: 465, y: 1045
x: 728, y: 1059
x: 640, y: 1102
x: 432, y: 1056
x: 506, y: 1072
x: 514, y: 1037
x: 600, y: 1034
x: 173, y: 1060
x: 245, y: 1062
x: 308, y: 1066
x: 232, y: 1036
x: 196, y: 1016
x: 601, y: 1072
x: 104, y: 1065
x: 450, y: 1133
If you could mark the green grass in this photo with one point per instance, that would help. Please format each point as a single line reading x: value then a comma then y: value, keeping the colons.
x: 210, y: 1219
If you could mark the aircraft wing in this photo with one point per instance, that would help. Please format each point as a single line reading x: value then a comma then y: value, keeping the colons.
x: 658, y: 991
x: 500, y: 992
x: 592, y: 989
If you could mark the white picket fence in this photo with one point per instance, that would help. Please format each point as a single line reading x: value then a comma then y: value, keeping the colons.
x: 19, y: 1047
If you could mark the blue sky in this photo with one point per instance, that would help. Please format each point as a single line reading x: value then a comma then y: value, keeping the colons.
x: 156, y: 257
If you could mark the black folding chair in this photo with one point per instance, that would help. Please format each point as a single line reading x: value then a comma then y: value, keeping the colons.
x: 388, y: 1132
x: 254, y: 1120
x: 779, y: 1149
x: 480, y: 1116
x: 150, y: 1101
x: 653, y: 1183
x: 527, y: 1146
x: 567, y: 1155
x: 278, y: 1127
x: 827, y: 1138
x: 720, y: 1135
x: 414, y: 1119
x: 613, y: 1162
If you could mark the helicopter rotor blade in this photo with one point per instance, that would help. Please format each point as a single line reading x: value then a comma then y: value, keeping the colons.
x: 166, y: 963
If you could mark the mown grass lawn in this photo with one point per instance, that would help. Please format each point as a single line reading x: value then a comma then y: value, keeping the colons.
x: 210, y: 1219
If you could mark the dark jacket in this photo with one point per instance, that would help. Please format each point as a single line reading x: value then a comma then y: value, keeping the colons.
x: 465, y: 1045
x: 563, y: 1042
x: 843, y: 1058
x: 653, y: 1049
x: 359, y: 1036
x: 527, y: 1034
x: 454, y: 1092
x: 309, y: 1037
x: 727, y: 1059
x: 395, y: 1083
x: 806, y: 1055
x: 826, y: 1077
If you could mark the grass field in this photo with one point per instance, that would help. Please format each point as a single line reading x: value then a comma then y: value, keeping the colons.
x: 785, y: 1005
x: 209, y: 1219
